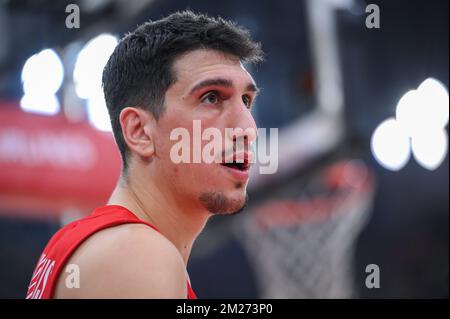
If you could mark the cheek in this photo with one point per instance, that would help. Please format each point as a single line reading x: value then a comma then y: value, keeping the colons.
x: 196, y: 176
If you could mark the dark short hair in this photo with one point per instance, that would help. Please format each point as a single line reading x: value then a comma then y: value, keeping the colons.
x: 139, y: 71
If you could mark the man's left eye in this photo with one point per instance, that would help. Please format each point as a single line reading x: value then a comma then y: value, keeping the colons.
x: 247, y: 101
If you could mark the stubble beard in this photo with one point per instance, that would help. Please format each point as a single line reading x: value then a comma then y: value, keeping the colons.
x: 217, y: 203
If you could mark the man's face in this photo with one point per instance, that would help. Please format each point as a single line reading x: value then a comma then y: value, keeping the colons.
x: 216, y: 90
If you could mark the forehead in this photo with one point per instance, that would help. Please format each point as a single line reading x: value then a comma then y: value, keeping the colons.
x: 201, y: 64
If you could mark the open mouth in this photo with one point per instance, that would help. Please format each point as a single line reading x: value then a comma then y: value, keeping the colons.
x: 239, y: 166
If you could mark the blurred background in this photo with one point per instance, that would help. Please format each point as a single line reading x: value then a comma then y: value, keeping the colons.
x: 361, y: 104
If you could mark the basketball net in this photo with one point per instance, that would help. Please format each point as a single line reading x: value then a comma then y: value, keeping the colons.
x: 303, y: 248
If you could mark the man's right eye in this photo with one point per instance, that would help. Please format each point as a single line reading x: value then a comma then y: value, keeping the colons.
x: 210, y: 98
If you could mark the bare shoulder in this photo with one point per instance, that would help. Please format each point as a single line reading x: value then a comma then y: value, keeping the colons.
x: 126, y: 261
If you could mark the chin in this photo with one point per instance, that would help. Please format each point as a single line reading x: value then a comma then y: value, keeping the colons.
x: 221, y: 203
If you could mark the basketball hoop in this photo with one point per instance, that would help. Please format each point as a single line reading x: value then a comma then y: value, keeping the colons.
x: 303, y: 248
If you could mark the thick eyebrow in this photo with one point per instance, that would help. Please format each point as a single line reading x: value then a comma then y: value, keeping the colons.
x: 221, y: 82
x: 252, y: 88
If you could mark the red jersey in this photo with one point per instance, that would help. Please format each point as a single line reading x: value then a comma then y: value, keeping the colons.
x: 64, y: 243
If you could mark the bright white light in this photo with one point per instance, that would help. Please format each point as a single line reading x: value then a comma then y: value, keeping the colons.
x: 43, y: 72
x: 424, y: 109
x: 390, y: 145
x: 98, y: 112
x: 47, y: 104
x: 434, y: 98
x: 409, y: 112
x: 430, y: 148
x: 421, y: 116
x: 90, y: 62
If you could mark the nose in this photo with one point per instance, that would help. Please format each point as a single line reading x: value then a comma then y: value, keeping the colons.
x: 243, y: 125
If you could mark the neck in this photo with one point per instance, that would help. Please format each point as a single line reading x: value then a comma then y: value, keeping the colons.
x: 178, y: 221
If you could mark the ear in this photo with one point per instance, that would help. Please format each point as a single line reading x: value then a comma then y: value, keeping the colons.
x: 137, y: 127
